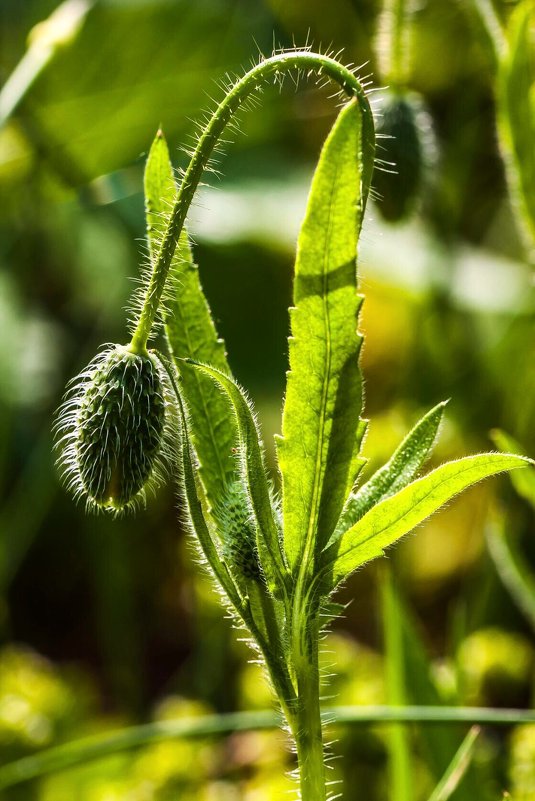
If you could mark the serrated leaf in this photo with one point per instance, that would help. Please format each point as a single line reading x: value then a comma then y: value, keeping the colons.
x: 255, y: 476
x: 399, y: 471
x: 191, y: 333
x: 193, y: 497
x: 394, y: 517
x: 321, y: 434
x: 516, y: 113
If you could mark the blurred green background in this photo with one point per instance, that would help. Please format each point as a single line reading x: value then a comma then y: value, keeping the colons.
x: 105, y: 623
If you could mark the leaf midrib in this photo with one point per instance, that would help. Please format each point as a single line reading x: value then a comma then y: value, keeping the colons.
x: 314, y: 511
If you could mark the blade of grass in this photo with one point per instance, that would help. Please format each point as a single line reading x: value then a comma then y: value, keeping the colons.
x: 513, y: 569
x: 458, y: 767
x: 99, y: 746
x: 398, y: 742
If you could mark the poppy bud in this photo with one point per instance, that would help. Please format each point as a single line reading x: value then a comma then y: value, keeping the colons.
x: 112, y: 429
x: 404, y: 150
x: 238, y: 532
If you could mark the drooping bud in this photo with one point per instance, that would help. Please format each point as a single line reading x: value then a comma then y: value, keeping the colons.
x: 405, y: 149
x: 112, y: 428
x: 238, y: 532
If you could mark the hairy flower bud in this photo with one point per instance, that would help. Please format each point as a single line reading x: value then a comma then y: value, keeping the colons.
x: 112, y: 428
x: 238, y: 532
x: 404, y: 151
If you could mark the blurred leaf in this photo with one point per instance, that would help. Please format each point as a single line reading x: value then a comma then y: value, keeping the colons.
x: 457, y: 769
x: 401, y: 783
x: 523, y: 482
x: 321, y: 433
x: 151, y: 76
x: 438, y: 742
x: 513, y: 569
x: 516, y: 113
x: 45, y: 41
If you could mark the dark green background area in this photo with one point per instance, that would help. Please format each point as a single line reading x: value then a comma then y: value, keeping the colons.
x: 118, y: 607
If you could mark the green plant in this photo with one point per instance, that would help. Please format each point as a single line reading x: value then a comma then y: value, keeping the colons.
x: 278, y: 556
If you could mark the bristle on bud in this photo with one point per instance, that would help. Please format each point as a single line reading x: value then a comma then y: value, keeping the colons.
x: 405, y: 153
x: 112, y: 429
x: 238, y: 532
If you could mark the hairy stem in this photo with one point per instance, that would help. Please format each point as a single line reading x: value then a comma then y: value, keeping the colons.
x: 306, y: 726
x: 270, y: 68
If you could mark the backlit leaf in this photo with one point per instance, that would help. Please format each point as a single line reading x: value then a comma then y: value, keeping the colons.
x: 321, y: 429
x: 404, y: 465
x: 191, y: 334
x: 394, y: 517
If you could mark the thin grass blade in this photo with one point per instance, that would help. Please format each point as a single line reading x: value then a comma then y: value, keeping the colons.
x: 459, y: 765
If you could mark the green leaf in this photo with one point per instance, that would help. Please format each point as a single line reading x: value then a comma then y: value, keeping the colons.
x: 394, y: 517
x: 160, y: 191
x: 255, y: 476
x: 524, y: 482
x: 399, y: 748
x: 512, y: 567
x: 399, y: 471
x: 516, y: 113
x: 321, y: 433
x: 440, y: 742
x: 191, y: 334
x: 193, y: 494
x: 457, y: 769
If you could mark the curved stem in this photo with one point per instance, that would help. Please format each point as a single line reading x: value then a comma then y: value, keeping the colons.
x: 238, y: 93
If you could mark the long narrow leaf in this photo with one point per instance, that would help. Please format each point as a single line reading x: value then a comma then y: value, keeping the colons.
x: 440, y: 742
x: 160, y: 190
x: 394, y: 517
x: 516, y: 114
x: 321, y: 433
x: 82, y: 751
x: 191, y: 333
x: 254, y: 471
x: 401, y: 783
x: 524, y: 482
x: 193, y: 499
x: 512, y: 568
x: 459, y: 765
x: 399, y: 471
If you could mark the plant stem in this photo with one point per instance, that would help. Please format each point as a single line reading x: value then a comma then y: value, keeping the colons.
x: 301, y: 60
x: 306, y: 726
x: 395, y: 47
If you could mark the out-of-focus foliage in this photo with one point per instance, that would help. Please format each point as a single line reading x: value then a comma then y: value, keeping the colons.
x: 119, y: 613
